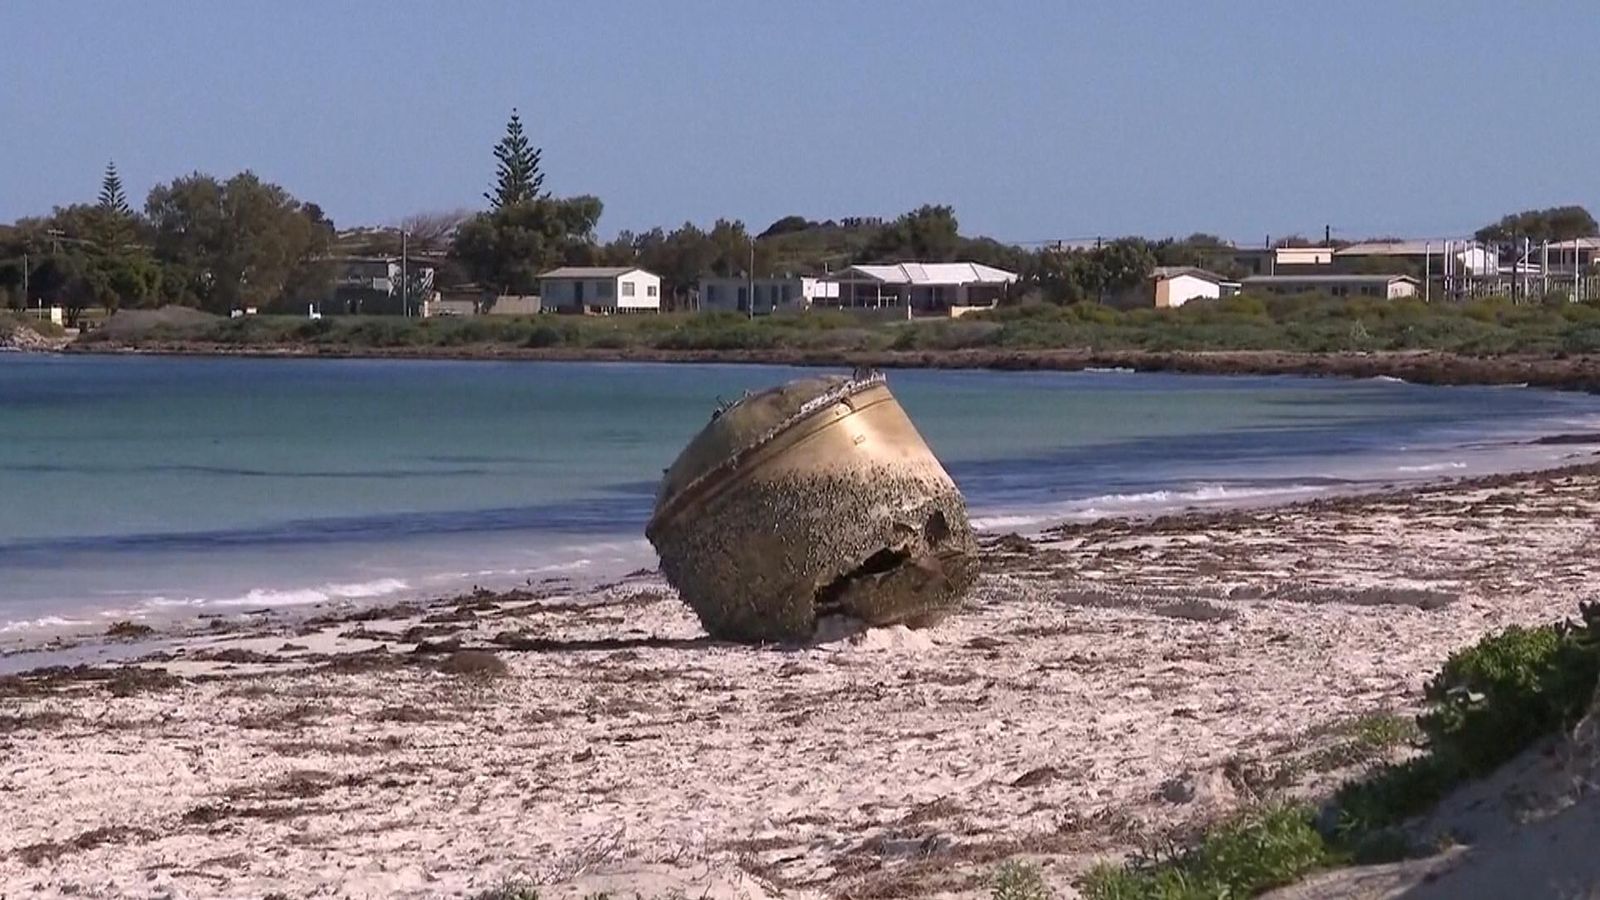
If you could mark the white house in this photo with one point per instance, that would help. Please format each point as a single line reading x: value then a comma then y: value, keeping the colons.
x: 1169, y: 287
x: 1388, y: 287
x: 770, y: 294
x: 923, y: 286
x: 600, y: 289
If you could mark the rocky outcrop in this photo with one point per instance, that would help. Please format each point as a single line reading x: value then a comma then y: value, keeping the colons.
x: 17, y: 337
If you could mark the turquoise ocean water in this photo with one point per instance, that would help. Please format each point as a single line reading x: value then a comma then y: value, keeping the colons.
x: 154, y: 486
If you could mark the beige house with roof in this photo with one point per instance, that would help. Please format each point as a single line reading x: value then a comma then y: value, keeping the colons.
x: 600, y: 289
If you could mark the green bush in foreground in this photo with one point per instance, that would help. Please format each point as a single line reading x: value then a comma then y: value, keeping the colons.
x: 1489, y: 702
x: 1495, y: 698
x: 1018, y: 881
x: 1265, y: 849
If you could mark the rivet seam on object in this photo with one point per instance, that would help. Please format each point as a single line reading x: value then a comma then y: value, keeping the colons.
x: 857, y: 384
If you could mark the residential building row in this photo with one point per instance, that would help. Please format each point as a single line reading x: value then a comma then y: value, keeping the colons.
x: 914, y: 288
x: 1377, y: 269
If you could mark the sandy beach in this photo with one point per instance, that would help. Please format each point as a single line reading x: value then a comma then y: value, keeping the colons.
x: 1108, y: 685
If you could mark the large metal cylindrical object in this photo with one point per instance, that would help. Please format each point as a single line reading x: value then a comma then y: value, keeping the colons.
x: 812, y: 499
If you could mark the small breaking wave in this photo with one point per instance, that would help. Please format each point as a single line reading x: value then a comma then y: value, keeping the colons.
x: 1144, y: 502
x: 1205, y: 493
x: 1013, y: 521
x: 41, y: 622
x: 275, y: 597
x: 1446, y: 466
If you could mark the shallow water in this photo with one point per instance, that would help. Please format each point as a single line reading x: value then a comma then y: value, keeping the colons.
x: 167, y: 485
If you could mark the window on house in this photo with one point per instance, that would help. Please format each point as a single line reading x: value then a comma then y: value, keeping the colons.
x: 651, y: 290
x: 627, y: 289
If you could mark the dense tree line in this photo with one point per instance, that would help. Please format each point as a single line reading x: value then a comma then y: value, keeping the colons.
x: 200, y: 241
x: 222, y: 244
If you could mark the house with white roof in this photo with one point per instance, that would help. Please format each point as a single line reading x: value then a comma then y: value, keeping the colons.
x: 926, y: 287
x: 600, y: 289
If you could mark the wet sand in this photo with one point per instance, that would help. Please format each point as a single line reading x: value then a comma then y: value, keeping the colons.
x: 1107, y: 685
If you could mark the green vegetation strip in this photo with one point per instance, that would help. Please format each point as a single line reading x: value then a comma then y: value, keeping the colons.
x: 1304, y: 324
x: 1490, y: 702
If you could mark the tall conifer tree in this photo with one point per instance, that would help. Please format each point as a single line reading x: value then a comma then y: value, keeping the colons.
x: 112, y: 199
x: 519, y: 179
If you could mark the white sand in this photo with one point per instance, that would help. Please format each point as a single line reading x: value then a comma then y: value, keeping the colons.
x: 1123, y: 682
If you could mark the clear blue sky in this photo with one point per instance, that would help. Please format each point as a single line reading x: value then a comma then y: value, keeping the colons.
x: 1036, y: 120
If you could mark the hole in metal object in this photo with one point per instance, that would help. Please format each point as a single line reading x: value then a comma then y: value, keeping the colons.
x: 828, y: 597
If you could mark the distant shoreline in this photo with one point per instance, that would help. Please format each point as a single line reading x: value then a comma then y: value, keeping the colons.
x: 1572, y: 373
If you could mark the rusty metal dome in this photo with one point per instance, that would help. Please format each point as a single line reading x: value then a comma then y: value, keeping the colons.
x: 814, y: 498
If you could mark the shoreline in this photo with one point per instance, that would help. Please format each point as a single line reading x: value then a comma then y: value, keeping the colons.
x: 79, y: 641
x: 1109, y: 684
x: 1573, y: 373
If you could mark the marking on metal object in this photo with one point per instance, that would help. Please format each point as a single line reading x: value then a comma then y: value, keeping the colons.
x: 862, y: 380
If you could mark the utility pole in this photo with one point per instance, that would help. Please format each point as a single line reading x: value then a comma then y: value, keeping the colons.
x: 405, y: 283
x: 750, y: 284
x: 1544, y: 270
x: 1101, y: 298
x: 1527, y: 254
x: 25, y: 268
x: 1427, y: 272
x: 1512, y: 247
x: 1327, y: 235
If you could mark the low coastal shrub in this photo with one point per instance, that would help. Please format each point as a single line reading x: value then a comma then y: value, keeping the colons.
x: 1488, y: 703
x: 510, y: 889
x: 1492, y: 700
x: 10, y: 321
x: 1013, y: 880
x: 1260, y: 850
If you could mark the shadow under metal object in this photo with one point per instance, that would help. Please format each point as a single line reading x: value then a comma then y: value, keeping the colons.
x: 812, y: 499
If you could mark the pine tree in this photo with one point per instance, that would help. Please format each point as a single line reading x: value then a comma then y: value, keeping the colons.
x: 519, y: 178
x: 112, y: 200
